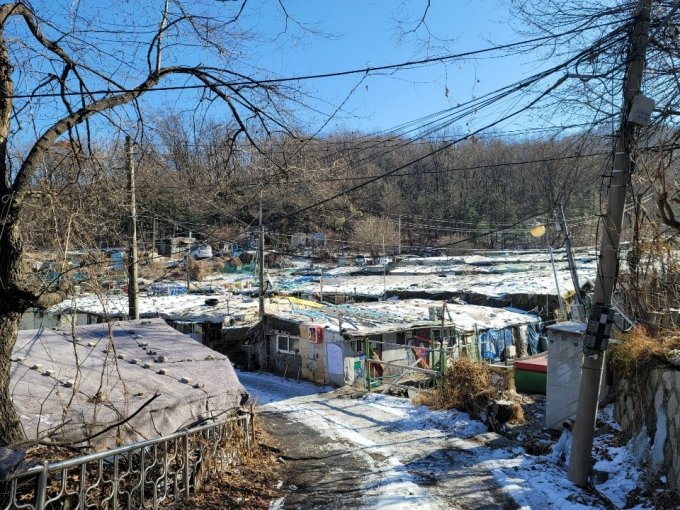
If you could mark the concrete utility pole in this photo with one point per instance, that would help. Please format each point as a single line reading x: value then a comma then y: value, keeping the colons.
x: 261, y: 268
x: 597, y: 333
x: 133, y: 290
x: 384, y: 261
x: 570, y: 258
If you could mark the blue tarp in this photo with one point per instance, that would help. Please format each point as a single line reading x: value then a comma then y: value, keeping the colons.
x: 166, y: 289
x: 533, y: 336
x: 493, y: 343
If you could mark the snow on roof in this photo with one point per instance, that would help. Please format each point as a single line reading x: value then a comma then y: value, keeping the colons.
x: 494, y: 275
x: 389, y: 316
x: 187, y: 307
x: 100, y: 378
x: 232, y: 309
x: 531, y: 282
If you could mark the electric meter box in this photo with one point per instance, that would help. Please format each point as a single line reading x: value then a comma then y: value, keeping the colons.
x: 641, y: 110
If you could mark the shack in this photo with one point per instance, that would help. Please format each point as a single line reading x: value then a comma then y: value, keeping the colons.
x: 171, y: 246
x: 330, y: 344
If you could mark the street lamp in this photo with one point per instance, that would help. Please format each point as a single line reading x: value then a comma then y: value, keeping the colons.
x: 537, y: 231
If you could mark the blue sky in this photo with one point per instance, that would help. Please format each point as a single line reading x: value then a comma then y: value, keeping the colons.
x: 368, y: 33
x: 322, y: 36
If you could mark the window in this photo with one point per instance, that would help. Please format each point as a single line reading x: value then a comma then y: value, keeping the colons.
x: 401, y: 338
x: 357, y: 346
x: 289, y: 344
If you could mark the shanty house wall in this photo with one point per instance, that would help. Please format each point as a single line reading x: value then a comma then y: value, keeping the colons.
x: 313, y: 357
x: 287, y: 364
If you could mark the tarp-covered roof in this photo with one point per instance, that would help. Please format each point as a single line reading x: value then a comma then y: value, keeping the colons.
x: 106, y: 375
x: 399, y: 315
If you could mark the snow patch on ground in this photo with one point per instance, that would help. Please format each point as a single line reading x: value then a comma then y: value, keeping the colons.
x: 623, y: 475
x: 418, y: 417
x: 533, y: 481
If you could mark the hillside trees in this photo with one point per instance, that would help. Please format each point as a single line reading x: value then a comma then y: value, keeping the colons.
x: 469, y: 186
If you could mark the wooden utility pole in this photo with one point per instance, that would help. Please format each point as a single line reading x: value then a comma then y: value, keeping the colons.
x: 154, y: 223
x: 557, y: 284
x: 597, y: 332
x: 261, y: 268
x: 570, y: 259
x: 399, y: 228
x: 133, y: 290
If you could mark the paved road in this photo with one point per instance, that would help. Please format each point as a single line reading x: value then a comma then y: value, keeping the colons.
x: 354, y: 451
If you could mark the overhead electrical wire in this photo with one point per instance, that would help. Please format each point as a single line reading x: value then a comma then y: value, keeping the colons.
x: 243, y: 81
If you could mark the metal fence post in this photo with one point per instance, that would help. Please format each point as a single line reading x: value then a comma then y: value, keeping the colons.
x: 42, y: 488
x: 142, y: 476
x: 114, y: 482
x: 185, y: 441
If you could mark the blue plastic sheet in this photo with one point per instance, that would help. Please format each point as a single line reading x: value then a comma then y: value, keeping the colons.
x: 493, y: 343
x: 533, y: 336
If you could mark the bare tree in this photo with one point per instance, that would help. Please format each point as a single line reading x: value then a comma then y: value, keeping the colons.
x: 372, y: 232
x: 71, y: 74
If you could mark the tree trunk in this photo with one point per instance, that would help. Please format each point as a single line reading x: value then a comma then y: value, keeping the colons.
x: 12, y: 308
x: 11, y: 430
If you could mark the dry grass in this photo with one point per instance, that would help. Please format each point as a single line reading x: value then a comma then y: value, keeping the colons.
x: 638, y: 349
x: 472, y: 387
x: 199, y: 269
x: 249, y: 485
x: 153, y: 270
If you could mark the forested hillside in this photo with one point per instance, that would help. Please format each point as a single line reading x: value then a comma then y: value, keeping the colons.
x: 202, y: 182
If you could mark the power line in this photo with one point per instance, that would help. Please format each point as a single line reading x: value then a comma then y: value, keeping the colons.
x: 335, y: 74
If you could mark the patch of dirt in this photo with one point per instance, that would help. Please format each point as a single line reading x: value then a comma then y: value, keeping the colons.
x: 320, y: 474
x: 252, y: 484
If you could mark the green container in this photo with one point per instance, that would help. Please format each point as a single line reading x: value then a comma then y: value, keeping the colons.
x: 530, y: 382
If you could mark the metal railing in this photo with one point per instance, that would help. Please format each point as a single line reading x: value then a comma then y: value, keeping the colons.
x: 143, y: 475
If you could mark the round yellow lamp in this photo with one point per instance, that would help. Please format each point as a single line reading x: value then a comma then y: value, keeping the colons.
x: 537, y: 230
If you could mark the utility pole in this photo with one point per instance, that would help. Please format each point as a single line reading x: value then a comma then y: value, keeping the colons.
x: 399, y: 229
x: 557, y: 284
x: 570, y: 260
x: 188, y: 276
x: 384, y: 261
x: 321, y: 287
x: 133, y: 290
x: 261, y: 268
x: 164, y: 22
x: 597, y: 332
x: 153, y: 239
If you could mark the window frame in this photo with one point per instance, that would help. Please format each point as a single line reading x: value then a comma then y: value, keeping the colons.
x: 295, y: 341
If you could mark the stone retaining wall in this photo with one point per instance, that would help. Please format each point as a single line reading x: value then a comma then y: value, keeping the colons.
x: 650, y: 404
